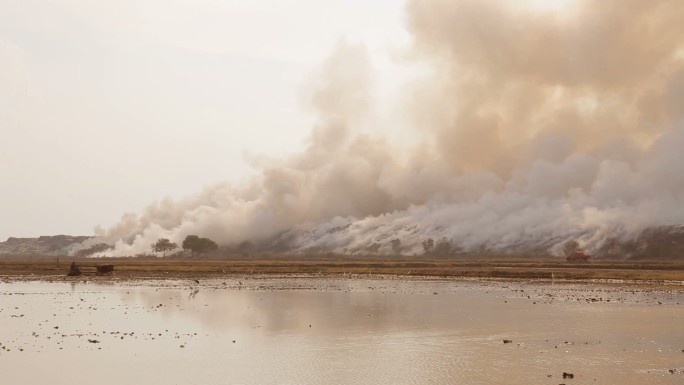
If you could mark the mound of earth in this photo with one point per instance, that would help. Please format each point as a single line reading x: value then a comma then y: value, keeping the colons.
x: 43, y: 245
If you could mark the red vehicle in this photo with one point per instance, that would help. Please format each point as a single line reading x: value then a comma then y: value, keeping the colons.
x: 579, y: 256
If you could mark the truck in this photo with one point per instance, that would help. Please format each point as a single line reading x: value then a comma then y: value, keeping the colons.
x: 579, y: 256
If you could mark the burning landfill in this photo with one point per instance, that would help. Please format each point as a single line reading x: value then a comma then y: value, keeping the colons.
x: 527, y: 131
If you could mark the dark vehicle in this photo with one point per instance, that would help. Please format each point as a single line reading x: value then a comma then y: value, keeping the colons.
x: 579, y: 256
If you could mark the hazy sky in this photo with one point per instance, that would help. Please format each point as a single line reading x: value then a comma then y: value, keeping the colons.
x: 339, y: 125
x: 107, y: 106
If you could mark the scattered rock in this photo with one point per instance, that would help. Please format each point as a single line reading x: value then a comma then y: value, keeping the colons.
x: 568, y: 375
x: 507, y: 341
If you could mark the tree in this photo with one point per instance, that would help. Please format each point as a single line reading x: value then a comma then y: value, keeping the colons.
x: 205, y: 245
x: 396, y: 245
x: 570, y: 247
x: 443, y: 247
x: 189, y: 242
x: 428, y: 244
x: 199, y: 245
x: 163, y: 245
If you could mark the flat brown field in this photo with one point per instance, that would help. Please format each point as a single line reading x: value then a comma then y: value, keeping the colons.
x: 203, y: 267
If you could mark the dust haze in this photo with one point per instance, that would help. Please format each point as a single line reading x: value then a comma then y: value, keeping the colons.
x: 531, y: 127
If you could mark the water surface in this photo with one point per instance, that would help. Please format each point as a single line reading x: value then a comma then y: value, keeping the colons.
x: 339, y: 331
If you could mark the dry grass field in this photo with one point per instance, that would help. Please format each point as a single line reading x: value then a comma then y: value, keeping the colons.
x: 485, y: 268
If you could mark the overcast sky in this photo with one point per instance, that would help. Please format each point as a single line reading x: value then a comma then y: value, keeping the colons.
x: 107, y: 106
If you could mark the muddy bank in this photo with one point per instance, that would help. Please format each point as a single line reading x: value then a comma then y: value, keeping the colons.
x: 134, y: 268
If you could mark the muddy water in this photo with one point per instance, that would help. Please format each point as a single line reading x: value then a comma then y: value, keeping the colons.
x: 338, y: 331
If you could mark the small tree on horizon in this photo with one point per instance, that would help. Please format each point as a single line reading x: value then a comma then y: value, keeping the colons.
x: 163, y: 245
x: 199, y: 245
x: 189, y: 242
x: 396, y: 245
x: 428, y: 244
x: 443, y: 247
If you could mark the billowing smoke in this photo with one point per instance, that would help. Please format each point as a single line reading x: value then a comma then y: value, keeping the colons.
x: 533, y: 127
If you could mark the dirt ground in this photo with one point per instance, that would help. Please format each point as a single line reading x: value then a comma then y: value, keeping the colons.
x: 495, y: 268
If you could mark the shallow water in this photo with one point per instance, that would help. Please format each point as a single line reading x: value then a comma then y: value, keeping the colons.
x: 336, y: 331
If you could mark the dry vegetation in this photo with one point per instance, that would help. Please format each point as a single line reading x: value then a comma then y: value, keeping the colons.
x: 481, y: 267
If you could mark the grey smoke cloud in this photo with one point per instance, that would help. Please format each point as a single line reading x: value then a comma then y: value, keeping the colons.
x: 533, y: 128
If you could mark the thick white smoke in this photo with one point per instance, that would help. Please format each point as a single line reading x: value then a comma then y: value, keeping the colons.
x: 535, y: 127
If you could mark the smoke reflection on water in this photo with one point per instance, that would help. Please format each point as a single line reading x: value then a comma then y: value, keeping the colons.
x: 335, y: 331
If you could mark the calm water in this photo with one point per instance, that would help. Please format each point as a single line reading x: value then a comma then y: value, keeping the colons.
x: 338, y: 331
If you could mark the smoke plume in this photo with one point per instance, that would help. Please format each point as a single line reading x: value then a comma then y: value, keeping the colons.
x: 532, y: 128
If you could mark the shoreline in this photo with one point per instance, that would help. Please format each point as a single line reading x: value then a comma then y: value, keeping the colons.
x: 41, y: 268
